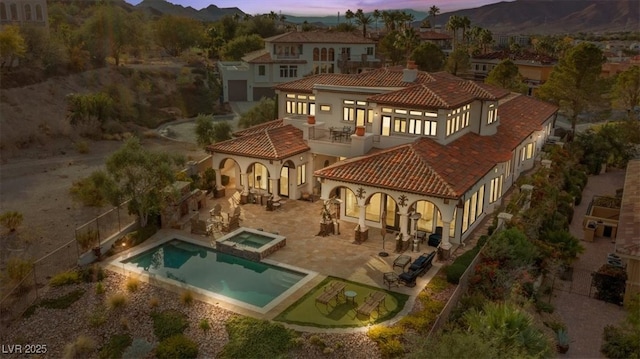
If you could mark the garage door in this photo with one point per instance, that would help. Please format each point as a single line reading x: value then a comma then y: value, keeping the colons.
x: 237, y: 90
x: 260, y: 92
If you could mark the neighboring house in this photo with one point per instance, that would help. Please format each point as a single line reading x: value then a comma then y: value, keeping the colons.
x: 24, y: 12
x: 442, y: 40
x: 427, y: 143
x: 291, y: 56
x: 534, y: 68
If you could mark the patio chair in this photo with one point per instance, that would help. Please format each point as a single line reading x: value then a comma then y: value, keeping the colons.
x: 216, y: 212
x: 371, y: 302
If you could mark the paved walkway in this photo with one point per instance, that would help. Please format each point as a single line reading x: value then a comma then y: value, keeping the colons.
x: 585, y: 316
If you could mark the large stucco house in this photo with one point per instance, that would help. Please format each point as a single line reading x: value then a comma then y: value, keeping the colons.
x: 24, y: 12
x: 291, y: 56
x: 427, y: 143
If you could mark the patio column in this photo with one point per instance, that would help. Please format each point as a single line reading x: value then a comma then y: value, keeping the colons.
x: 362, y: 216
x: 445, y: 245
x: 218, y: 180
x: 404, y: 223
x: 275, y: 188
x: 244, y: 182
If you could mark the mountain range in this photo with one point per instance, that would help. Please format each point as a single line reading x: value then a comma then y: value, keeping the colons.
x: 513, y: 17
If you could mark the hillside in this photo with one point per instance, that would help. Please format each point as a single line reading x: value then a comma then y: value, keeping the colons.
x: 553, y: 17
x: 208, y: 14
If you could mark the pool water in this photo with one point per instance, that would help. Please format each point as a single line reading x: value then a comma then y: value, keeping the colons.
x: 250, y: 239
x: 251, y: 282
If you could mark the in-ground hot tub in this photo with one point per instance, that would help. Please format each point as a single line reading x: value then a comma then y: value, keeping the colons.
x: 250, y: 243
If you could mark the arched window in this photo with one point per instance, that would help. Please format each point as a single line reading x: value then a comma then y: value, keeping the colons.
x: 13, y: 8
x: 323, y: 54
x: 316, y: 54
x: 331, y: 54
x: 3, y: 11
x: 27, y: 12
x: 39, y: 12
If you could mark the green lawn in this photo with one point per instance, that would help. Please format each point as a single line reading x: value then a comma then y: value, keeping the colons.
x: 307, y: 312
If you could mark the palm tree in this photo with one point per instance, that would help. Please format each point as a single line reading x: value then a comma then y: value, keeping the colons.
x: 376, y: 17
x: 363, y: 20
x: 433, y: 11
x: 465, y: 24
x: 349, y: 15
x: 485, y: 38
x: 273, y: 16
x: 454, y: 24
x: 407, y: 39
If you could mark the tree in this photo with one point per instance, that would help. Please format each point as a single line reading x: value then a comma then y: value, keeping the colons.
x: 387, y: 47
x: 407, y: 40
x: 208, y: 132
x: 433, y: 11
x: 133, y: 173
x: 12, y: 45
x: 575, y: 81
x: 626, y: 89
x: 262, y: 112
x: 109, y: 31
x: 363, y: 20
x: 507, y: 75
x: 241, y: 45
x: 349, y: 15
x: 623, y: 341
x: 454, y: 23
x: 176, y: 34
x: 376, y: 16
x: 458, y: 61
x: 428, y: 57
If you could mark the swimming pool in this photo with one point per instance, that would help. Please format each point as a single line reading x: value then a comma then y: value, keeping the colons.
x: 257, y: 284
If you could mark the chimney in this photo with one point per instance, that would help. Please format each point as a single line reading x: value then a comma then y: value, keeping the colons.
x: 410, y: 73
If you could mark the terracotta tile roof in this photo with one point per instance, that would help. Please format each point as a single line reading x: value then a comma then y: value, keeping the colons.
x: 628, y: 237
x: 483, y: 91
x: 264, y: 57
x: 433, y: 35
x: 428, y: 168
x: 519, y: 117
x: 271, y: 144
x: 259, y: 128
x: 321, y: 37
x: 388, y: 77
x: 516, y: 56
x: 441, y: 94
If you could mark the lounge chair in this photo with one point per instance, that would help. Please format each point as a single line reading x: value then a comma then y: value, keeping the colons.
x: 371, y: 302
x: 418, y: 268
x: 331, y: 291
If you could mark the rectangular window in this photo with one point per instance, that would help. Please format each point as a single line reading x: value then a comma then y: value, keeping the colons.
x: 386, y: 110
x: 480, y: 201
x: 312, y: 108
x: 369, y: 116
x: 530, y: 150
x: 302, y: 108
x: 360, y: 112
x: 431, y: 114
x: 370, y: 51
x: 262, y: 70
x: 348, y: 102
x: 400, y: 124
x: 290, y: 107
x: 465, y: 216
x: 415, y: 126
x: 496, y: 189
x: 386, y: 126
x: 347, y: 114
x: 302, y: 174
x: 290, y: 95
x: 288, y: 71
x: 507, y: 169
x: 473, y: 207
x: 325, y: 108
x: 402, y: 112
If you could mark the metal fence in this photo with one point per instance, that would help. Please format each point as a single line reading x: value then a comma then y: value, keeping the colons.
x: 16, y: 298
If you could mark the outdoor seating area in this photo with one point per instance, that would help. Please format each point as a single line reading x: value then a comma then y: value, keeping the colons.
x: 371, y: 303
x: 332, y: 291
x: 417, y: 268
x: 402, y: 261
x: 223, y: 221
x: 340, y: 134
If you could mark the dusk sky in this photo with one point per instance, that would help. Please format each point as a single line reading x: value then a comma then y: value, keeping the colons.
x: 329, y: 7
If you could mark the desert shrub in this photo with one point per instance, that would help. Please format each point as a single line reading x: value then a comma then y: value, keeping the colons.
x: 204, y: 325
x: 139, y: 348
x: 623, y: 341
x: 82, y: 147
x: 88, y: 239
x: 512, y: 249
x: 315, y: 340
x: 82, y: 347
x: 168, y: 323
x: 186, y: 297
x: 117, y: 301
x: 154, y: 302
x: 98, y: 317
x: 11, y: 220
x: 388, y: 340
x: 610, y: 284
x: 423, y: 320
x: 254, y: 338
x: 542, y: 306
x: 132, y: 284
x: 17, y: 269
x: 453, y: 344
x: 65, y: 278
x: 115, y: 346
x: 177, y: 346
x: 438, y: 284
x: 92, y: 273
x: 63, y: 302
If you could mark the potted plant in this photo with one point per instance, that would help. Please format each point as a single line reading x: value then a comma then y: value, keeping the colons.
x: 360, y: 130
x: 562, y: 340
x: 311, y: 119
